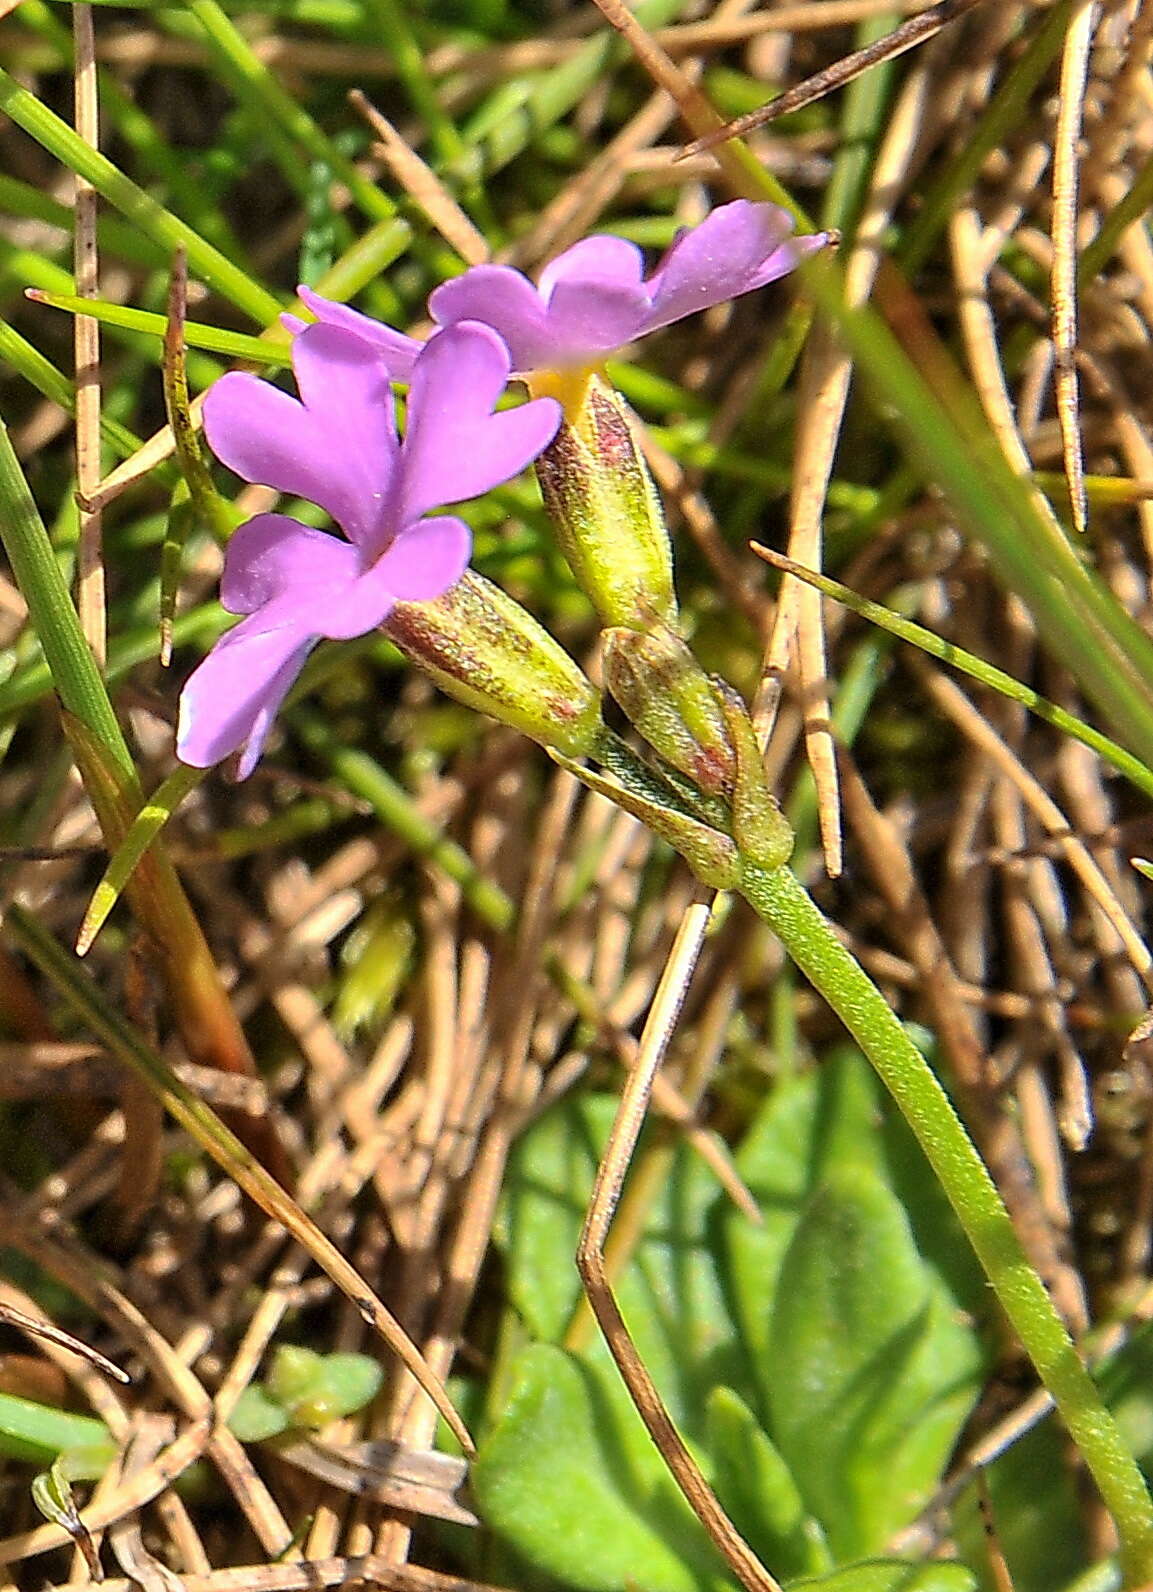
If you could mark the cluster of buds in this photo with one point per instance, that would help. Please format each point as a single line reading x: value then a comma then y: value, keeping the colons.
x: 402, y: 565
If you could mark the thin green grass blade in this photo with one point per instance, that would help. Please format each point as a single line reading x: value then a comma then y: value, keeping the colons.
x: 33, y: 681
x: 40, y: 373
x: 157, y: 223
x: 73, y: 668
x: 148, y: 823
x: 1008, y: 110
x: 968, y: 663
x: 393, y: 25
x: 272, y: 351
x: 366, y: 261
x: 294, y: 129
x: 197, y: 499
x: 115, y: 237
x: 863, y: 120
x: 133, y: 127
x: 1129, y: 209
x: 1081, y: 620
x: 506, y: 124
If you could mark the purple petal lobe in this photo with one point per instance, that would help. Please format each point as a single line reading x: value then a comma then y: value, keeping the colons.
x: 426, y: 561
x: 739, y: 247
x: 231, y: 699
x: 272, y: 556
x: 599, y: 261
x: 337, y: 448
x: 396, y: 349
x: 455, y: 447
x: 590, y: 301
x: 596, y: 299
x: 502, y: 298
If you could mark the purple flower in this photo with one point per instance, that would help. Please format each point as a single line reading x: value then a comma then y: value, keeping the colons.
x: 337, y: 446
x: 594, y: 298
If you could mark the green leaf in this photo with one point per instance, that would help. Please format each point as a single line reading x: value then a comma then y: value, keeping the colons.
x: 549, y: 1177
x: 256, y: 1416
x: 344, y: 1384
x: 550, y: 1480
x: 808, y: 1121
x: 759, y: 1494
x: 39, y: 1433
x: 670, y: 1291
x: 52, y: 1495
x: 891, y: 1575
x: 873, y: 1375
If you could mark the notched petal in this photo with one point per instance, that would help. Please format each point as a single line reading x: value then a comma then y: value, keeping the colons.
x: 455, y: 446
x: 270, y: 555
x: 230, y: 700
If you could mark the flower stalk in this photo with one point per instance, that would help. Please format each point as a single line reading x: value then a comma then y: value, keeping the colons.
x: 781, y: 901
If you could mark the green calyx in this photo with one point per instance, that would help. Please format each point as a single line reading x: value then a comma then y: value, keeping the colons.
x: 488, y: 652
x: 666, y: 695
x: 604, y: 506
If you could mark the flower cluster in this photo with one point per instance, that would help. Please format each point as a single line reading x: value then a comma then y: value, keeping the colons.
x: 337, y: 445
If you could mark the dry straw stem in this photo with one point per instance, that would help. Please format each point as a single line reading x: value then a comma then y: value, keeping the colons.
x: 423, y: 186
x: 825, y: 376
x: 660, y: 1025
x: 1070, y: 107
x: 86, y: 345
x: 917, y: 30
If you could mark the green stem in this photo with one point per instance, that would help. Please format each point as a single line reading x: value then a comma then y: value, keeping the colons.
x: 809, y: 939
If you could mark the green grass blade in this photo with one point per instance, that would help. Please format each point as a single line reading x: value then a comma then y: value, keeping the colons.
x: 233, y: 345
x: 148, y: 823
x: 157, y: 223
x: 290, y: 127
x: 42, y: 374
x: 968, y: 663
x: 53, y: 615
x: 1081, y: 620
x: 1007, y: 111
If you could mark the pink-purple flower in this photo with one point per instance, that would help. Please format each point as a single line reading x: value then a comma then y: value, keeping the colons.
x: 337, y: 446
x: 594, y: 298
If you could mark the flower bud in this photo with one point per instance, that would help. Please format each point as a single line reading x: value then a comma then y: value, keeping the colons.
x: 601, y: 498
x: 666, y: 695
x: 761, y: 829
x: 488, y: 652
x: 712, y: 855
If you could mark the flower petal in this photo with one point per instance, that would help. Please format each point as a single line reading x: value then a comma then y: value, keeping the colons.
x: 426, y: 561
x: 590, y: 301
x: 337, y: 448
x: 455, y: 447
x: 397, y: 350
x: 502, y: 298
x: 272, y: 554
x: 230, y: 700
x: 739, y: 247
x: 596, y: 298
